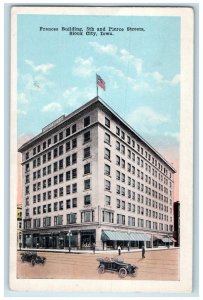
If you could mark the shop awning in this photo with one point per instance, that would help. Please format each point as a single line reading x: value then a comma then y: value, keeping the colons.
x: 157, y: 237
x: 168, y: 240
x: 134, y: 236
x: 108, y: 235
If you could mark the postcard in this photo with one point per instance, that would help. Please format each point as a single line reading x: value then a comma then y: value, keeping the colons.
x: 101, y: 149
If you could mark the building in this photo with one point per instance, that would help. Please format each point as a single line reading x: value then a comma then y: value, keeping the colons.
x: 88, y: 177
x: 176, y: 210
x: 19, y: 226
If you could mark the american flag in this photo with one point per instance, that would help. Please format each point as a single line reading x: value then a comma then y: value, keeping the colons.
x: 101, y: 82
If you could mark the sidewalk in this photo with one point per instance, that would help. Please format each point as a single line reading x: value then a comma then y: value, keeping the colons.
x: 102, y: 252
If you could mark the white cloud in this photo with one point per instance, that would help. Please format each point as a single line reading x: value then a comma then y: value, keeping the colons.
x: 21, y: 112
x: 84, y: 67
x: 52, y: 107
x: 144, y: 117
x: 22, y: 98
x: 75, y: 97
x: 44, y: 68
x: 126, y: 57
x: 108, y: 49
x: 176, y: 79
x: 172, y: 135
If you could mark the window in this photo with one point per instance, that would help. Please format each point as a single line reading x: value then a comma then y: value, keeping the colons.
x: 107, y: 200
x: 128, y: 140
x: 123, y: 205
x: 68, y: 175
x: 38, y: 148
x: 74, y: 143
x: 118, y: 189
x: 44, y: 145
x: 87, y: 137
x: 61, y: 150
x: 87, y: 216
x: 74, y: 128
x: 122, y: 135
x: 74, y: 188
x: 60, y: 136
x: 34, y: 151
x: 49, y: 208
x: 55, y: 138
x: 122, y: 177
x: 123, y: 163
x: 67, y: 146
x: 107, y: 169
x: 58, y: 220
x: 34, y: 210
x: 68, y: 204
x: 107, y: 153
x: 86, y: 168
x: 61, y: 192
x: 38, y: 161
x: 74, y: 202
x: 55, y: 152
x: 27, y: 155
x: 49, y: 155
x: 67, y: 161
x: 118, y: 160
x: 117, y: 131
x: 71, y: 218
x: 49, y: 195
x: 86, y: 121
x: 55, y: 193
x: 107, y: 185
x: 74, y: 158
x: 131, y: 221
x: 118, y: 175
x: 87, y: 152
x: 46, y: 221
x: 121, y: 219
x: 49, y: 181
x: 60, y: 164
x: 44, y: 171
x: 107, y: 216
x: 129, y: 206
x: 118, y: 203
x: 122, y: 149
x: 44, y: 209
x: 61, y: 205
x: 74, y: 173
x: 61, y: 178
x: 55, y: 206
x: 87, y: 200
x: 107, y: 122
x: 67, y: 131
x: 87, y: 184
x: 68, y: 189
x: 117, y: 146
x: 107, y: 138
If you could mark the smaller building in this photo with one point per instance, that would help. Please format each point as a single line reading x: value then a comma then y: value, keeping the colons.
x: 176, y: 235
x: 19, y: 226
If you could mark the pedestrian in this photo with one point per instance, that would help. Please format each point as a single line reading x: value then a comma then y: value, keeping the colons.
x: 128, y: 245
x: 93, y: 247
x: 143, y: 252
x: 20, y: 244
x: 119, y: 250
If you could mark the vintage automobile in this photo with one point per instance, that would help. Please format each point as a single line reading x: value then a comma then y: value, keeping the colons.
x: 116, y: 265
x: 33, y: 258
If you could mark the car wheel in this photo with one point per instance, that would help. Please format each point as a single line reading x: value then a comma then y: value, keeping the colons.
x: 122, y: 272
x: 33, y: 262
x: 101, y: 269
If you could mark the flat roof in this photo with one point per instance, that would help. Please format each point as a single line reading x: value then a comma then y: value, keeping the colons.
x: 61, y: 120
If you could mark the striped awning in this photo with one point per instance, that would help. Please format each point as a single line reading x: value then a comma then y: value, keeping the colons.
x: 108, y: 235
x: 168, y: 240
x: 135, y: 236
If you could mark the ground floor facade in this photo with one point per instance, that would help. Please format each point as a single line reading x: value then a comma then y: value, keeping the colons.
x: 85, y: 238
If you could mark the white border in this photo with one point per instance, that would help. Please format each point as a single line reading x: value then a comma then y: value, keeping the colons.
x: 186, y: 164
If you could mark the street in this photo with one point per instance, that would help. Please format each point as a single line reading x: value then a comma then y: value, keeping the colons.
x: 157, y: 265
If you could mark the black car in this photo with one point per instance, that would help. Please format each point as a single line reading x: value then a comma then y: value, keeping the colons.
x: 33, y: 258
x: 115, y: 265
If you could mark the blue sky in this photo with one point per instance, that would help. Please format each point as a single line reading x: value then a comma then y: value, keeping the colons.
x: 57, y: 73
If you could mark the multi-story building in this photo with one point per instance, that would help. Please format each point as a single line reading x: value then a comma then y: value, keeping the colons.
x: 176, y: 209
x: 88, y: 177
x: 19, y: 226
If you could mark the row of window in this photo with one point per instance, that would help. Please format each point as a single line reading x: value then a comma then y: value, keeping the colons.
x: 141, y: 150
x: 58, y: 137
x: 88, y: 216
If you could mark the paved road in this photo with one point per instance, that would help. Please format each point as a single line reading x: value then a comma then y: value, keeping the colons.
x: 157, y: 265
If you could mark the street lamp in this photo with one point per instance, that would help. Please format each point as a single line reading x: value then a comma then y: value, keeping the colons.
x: 69, y: 234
